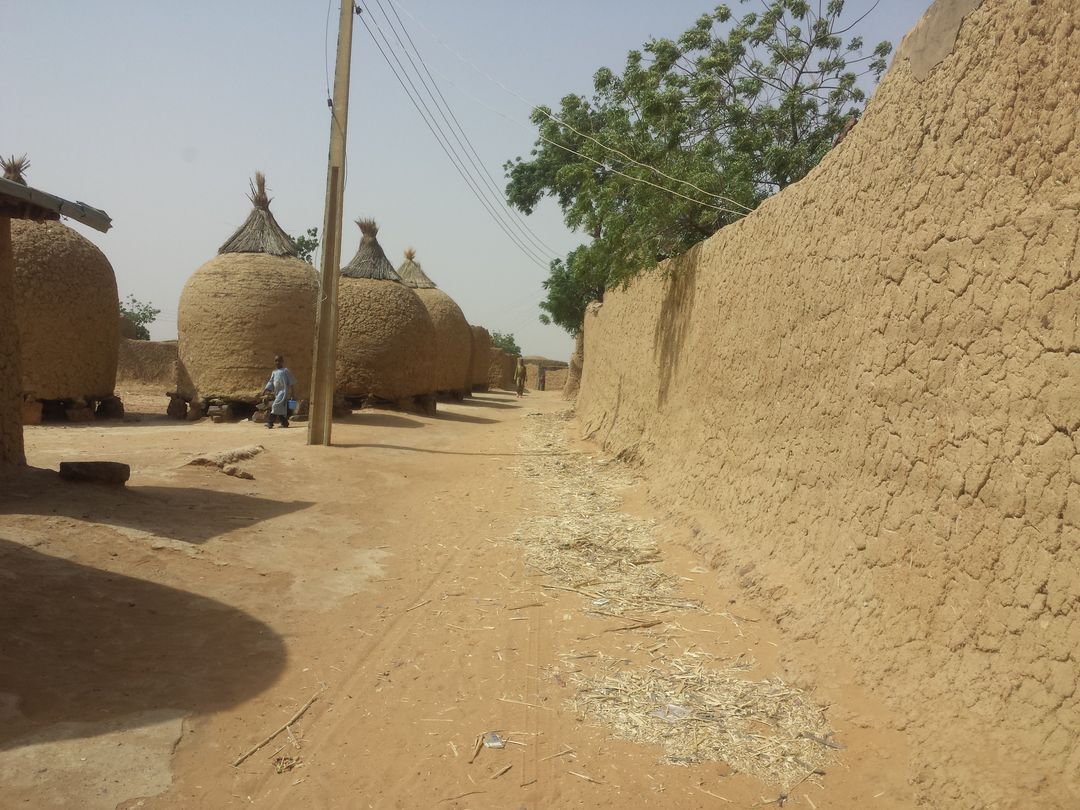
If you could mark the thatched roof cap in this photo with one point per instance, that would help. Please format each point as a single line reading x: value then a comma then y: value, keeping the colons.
x: 412, y: 275
x: 260, y: 233
x: 370, y: 261
x: 14, y: 167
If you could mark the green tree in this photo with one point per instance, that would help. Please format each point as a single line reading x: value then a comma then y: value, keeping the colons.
x: 140, y: 314
x: 706, y: 127
x: 506, y: 342
x: 572, y: 284
x: 306, y: 244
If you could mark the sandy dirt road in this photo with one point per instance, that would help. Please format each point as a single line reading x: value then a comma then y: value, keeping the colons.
x: 150, y: 636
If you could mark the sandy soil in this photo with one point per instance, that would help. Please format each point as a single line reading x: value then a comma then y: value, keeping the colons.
x: 150, y: 636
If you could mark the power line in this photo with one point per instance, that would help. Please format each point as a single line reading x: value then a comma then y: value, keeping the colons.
x: 581, y: 155
x: 420, y: 105
x: 558, y: 120
x: 478, y: 163
x: 496, y: 196
x: 429, y: 120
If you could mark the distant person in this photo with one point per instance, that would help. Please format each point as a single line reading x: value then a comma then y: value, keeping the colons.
x: 280, y: 384
x: 541, y: 378
x: 519, y: 376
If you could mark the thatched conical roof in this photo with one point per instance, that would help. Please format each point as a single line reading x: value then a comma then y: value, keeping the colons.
x: 412, y: 275
x: 260, y: 233
x: 253, y: 300
x: 14, y: 167
x: 370, y: 261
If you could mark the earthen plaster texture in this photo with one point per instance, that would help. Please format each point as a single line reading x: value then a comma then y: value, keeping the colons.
x: 149, y: 362
x: 11, y: 435
x: 67, y: 312
x: 236, y: 313
x: 577, y: 359
x: 501, y: 369
x: 481, y: 352
x: 868, y: 394
x: 453, y: 339
x: 386, y: 341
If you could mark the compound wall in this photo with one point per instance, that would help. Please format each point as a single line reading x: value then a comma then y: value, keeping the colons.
x: 870, y: 390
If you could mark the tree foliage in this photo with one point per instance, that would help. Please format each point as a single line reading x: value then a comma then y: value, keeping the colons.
x: 572, y: 284
x: 699, y: 130
x: 140, y: 314
x: 306, y: 244
x: 506, y: 342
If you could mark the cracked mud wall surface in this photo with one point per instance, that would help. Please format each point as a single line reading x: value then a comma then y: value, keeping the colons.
x: 235, y: 313
x: 868, y: 392
x: 11, y: 436
x: 67, y: 310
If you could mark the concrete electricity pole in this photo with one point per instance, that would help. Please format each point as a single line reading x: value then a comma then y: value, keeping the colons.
x: 321, y: 401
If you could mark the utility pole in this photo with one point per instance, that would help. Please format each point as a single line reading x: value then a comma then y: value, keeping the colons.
x: 321, y: 404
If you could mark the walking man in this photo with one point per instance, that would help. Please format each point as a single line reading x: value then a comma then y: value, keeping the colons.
x: 280, y: 384
x: 519, y: 376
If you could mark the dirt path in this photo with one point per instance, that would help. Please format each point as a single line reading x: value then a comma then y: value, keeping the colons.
x: 150, y: 637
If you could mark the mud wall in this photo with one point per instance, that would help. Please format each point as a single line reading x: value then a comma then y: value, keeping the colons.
x: 868, y: 392
x: 148, y: 362
x: 501, y: 369
x: 11, y: 436
x: 577, y: 359
x: 481, y: 354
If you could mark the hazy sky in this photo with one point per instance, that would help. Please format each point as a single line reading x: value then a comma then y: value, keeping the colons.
x: 160, y: 112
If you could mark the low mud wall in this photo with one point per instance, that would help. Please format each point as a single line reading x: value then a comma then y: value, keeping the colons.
x: 501, y: 369
x: 866, y: 395
x: 555, y: 379
x: 555, y: 373
x: 148, y: 362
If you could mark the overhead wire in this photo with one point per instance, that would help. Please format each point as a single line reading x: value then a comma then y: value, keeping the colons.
x: 455, y: 128
x: 494, y: 195
x: 429, y: 120
x: 569, y: 126
x: 581, y: 155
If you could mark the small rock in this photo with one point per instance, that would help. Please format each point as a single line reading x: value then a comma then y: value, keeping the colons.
x: 237, y: 472
x: 100, y: 472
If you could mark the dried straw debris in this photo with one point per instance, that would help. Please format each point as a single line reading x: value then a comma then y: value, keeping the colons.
x: 260, y: 232
x: 585, y: 543
x: 700, y: 713
x: 692, y: 706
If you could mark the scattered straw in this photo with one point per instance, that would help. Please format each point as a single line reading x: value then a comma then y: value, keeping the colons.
x: 691, y: 707
x: 585, y: 544
x: 704, y: 714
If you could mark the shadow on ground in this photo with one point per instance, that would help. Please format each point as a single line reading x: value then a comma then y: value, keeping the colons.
x: 78, y: 644
x: 374, y: 446
x: 450, y: 416
x: 490, y: 403
x: 189, y: 514
x: 379, y: 419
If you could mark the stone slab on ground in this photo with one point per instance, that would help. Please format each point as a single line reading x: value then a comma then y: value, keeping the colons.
x: 98, y: 472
